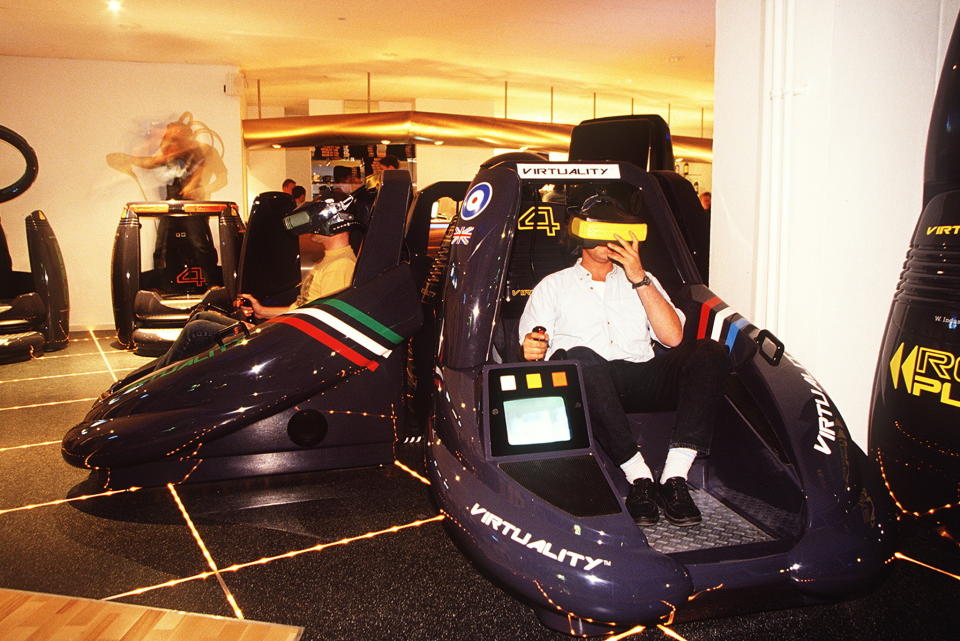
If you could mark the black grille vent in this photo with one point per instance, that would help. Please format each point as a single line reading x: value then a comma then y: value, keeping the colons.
x: 931, y: 275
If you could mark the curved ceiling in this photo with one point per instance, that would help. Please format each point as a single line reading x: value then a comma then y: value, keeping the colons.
x: 605, y: 57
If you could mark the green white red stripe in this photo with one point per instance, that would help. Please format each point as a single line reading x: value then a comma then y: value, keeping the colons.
x: 322, y: 323
x: 353, y: 334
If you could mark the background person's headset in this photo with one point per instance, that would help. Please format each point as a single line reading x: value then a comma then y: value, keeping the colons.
x: 326, y: 217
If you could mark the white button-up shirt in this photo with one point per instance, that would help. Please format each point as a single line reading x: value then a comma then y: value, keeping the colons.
x: 606, y: 316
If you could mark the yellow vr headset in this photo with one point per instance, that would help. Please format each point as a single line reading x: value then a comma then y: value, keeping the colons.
x: 600, y: 232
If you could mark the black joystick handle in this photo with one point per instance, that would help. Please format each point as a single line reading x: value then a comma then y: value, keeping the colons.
x: 539, y: 329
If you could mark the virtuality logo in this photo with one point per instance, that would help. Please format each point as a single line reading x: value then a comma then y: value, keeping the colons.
x: 924, y: 370
x: 549, y: 171
x: 511, y: 532
x: 827, y: 417
x: 940, y: 230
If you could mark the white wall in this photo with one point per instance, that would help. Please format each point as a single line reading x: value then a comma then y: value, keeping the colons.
x: 821, y: 114
x: 75, y: 112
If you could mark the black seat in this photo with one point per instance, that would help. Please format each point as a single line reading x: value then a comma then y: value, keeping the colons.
x: 151, y: 306
x: 270, y: 258
x: 539, y: 249
x: 692, y: 219
x: 34, y: 305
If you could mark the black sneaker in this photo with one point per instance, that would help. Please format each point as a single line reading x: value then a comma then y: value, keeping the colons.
x: 674, y: 497
x: 642, y: 502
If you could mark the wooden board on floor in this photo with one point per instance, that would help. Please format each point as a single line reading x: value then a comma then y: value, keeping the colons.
x: 51, y: 617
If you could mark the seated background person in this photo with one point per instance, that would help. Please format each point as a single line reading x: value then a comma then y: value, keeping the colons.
x: 333, y: 273
x: 603, y: 312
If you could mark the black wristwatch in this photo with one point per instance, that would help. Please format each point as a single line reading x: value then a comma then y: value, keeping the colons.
x: 643, y: 281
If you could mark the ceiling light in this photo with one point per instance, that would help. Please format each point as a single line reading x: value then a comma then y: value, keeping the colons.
x: 114, y: 5
x: 384, y: 142
x: 275, y: 146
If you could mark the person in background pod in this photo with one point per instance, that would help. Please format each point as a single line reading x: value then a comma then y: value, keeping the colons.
x: 299, y: 194
x: 604, y: 312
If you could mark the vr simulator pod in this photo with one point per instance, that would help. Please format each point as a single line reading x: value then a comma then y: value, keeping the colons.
x: 315, y: 388
x: 916, y: 392
x: 151, y: 305
x: 793, y: 511
x: 34, y: 305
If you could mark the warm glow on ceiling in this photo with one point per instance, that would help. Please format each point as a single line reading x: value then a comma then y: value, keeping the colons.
x: 514, y: 59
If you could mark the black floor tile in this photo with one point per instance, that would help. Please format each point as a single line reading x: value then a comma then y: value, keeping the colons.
x: 410, y: 585
x: 37, y: 475
x: 55, y: 388
x: 63, y: 550
x: 42, y: 423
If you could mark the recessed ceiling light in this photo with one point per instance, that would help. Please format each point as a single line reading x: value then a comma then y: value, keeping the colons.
x: 114, y: 5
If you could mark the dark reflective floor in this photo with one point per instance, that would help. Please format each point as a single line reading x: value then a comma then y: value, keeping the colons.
x: 292, y: 549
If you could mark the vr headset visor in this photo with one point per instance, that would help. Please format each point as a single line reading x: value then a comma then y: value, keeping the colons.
x: 592, y: 233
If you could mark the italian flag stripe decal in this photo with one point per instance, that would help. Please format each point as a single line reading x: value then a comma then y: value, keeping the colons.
x: 353, y: 334
x: 366, y: 320
x: 327, y: 340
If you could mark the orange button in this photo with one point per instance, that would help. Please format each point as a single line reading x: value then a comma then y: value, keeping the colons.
x: 559, y: 379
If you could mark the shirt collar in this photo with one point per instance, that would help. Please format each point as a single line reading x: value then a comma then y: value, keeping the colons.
x: 584, y: 274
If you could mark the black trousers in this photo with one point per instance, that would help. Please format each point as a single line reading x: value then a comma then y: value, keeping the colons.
x: 199, y: 334
x: 688, y: 378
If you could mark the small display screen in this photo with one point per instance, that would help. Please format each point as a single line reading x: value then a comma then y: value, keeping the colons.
x: 536, y: 420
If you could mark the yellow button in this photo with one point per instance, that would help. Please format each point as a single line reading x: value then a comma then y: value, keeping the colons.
x: 559, y: 379
x: 534, y: 381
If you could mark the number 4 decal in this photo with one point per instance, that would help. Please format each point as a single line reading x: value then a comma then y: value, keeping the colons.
x: 191, y: 276
x: 539, y: 218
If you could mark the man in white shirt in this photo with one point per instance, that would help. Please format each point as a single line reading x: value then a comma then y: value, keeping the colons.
x: 604, y: 312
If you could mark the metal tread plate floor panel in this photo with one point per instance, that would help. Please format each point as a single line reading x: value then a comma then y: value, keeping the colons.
x: 721, y: 527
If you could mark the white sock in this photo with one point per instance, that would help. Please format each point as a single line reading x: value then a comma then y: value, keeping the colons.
x: 679, y: 460
x: 636, y: 468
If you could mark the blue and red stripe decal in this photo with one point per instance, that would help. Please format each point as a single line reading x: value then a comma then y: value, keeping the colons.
x: 715, y: 316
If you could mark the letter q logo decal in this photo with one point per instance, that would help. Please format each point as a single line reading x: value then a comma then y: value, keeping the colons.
x: 476, y: 201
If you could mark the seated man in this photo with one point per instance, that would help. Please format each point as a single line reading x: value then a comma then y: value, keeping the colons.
x: 603, y: 312
x: 333, y: 273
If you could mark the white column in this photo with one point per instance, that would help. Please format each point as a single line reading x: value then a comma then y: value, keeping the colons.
x: 821, y: 115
